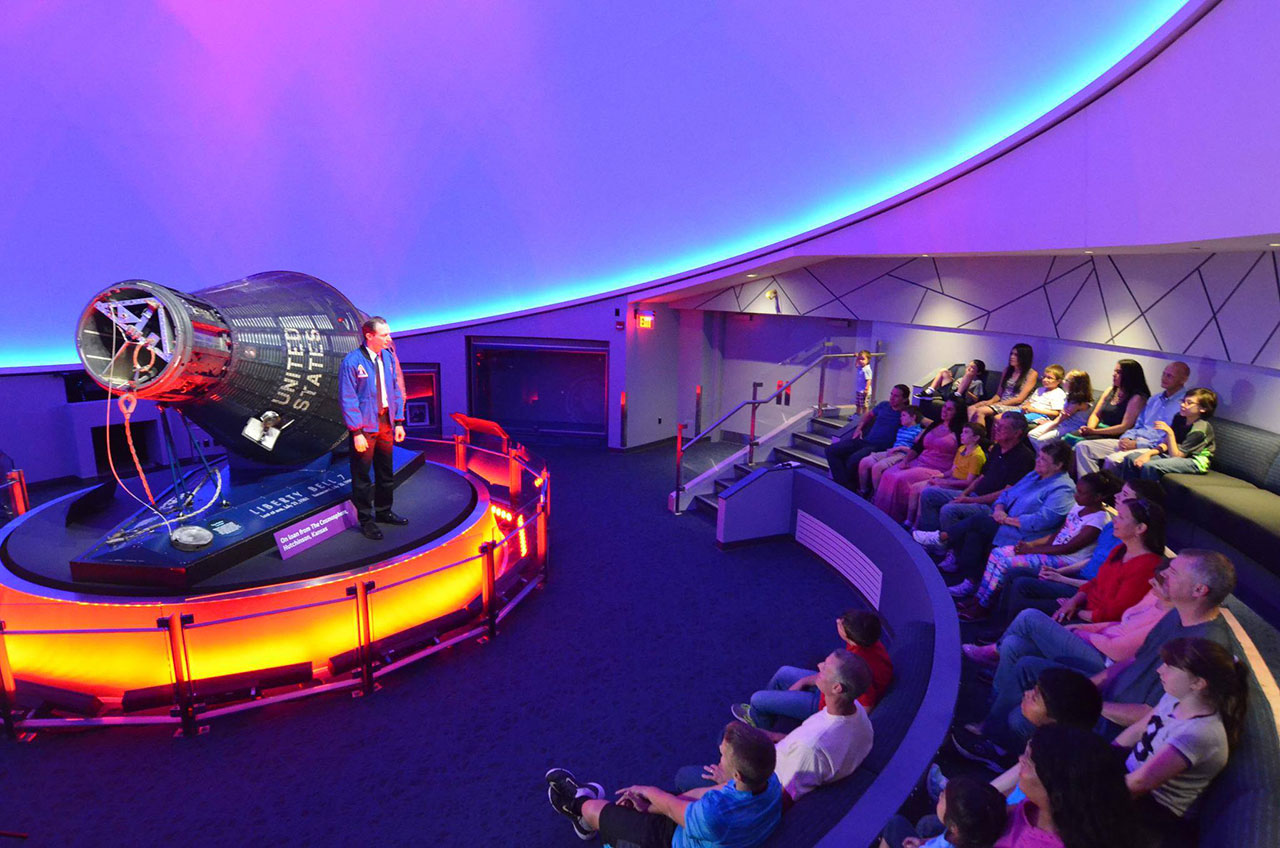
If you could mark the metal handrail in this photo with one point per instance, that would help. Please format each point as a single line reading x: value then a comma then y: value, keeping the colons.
x: 754, y: 403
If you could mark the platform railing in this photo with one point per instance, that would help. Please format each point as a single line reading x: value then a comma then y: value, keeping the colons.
x: 382, y: 634
x: 753, y: 405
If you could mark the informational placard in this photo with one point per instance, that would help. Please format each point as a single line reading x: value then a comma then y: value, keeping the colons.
x: 315, y: 529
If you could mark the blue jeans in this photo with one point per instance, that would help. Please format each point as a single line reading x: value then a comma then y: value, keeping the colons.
x: 779, y: 700
x: 1032, y: 643
x: 1027, y: 591
x: 932, y: 500
x: 953, y: 513
x: 1154, y: 469
x: 843, y: 458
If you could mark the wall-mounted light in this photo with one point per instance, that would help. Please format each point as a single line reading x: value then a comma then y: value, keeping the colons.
x: 1090, y: 252
x: 1274, y: 244
x: 644, y: 320
x: 752, y: 276
x: 771, y: 294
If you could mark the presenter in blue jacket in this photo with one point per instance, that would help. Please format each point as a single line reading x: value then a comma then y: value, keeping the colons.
x: 373, y: 408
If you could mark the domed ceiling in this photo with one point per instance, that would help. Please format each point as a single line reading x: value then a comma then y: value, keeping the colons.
x: 446, y: 161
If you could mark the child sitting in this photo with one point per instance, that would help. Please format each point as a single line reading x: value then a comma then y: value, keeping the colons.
x: 1048, y: 400
x: 873, y: 466
x: 970, y: 457
x: 1077, y: 404
x: 862, y: 381
x: 971, y: 813
x: 1187, y: 445
x: 1069, y: 549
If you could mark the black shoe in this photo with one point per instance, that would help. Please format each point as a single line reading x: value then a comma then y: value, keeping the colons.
x: 371, y: 531
x: 563, y: 790
x: 979, y: 749
x: 390, y: 517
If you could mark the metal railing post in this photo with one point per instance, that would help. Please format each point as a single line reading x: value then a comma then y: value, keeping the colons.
x: 822, y: 385
x: 8, y: 689
x: 364, y: 634
x: 459, y: 452
x: 541, y: 530
x: 515, y: 475
x: 679, y: 465
x: 488, y: 588
x: 183, y: 691
x: 751, y: 436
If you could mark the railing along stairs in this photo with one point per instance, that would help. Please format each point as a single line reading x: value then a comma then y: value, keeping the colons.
x: 790, y: 441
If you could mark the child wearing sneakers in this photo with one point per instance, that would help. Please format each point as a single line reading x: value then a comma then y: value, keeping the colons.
x: 862, y: 381
x: 970, y: 457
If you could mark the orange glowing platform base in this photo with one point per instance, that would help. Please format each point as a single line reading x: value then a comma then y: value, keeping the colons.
x: 84, y: 658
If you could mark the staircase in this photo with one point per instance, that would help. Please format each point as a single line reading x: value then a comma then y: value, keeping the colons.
x: 807, y: 447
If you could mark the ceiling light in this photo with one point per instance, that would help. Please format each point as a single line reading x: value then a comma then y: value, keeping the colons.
x: 752, y: 276
x: 1274, y: 244
x: 1090, y: 252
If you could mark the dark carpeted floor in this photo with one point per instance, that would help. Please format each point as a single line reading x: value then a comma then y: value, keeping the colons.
x: 622, y: 669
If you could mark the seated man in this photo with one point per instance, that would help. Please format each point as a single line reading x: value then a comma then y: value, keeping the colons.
x: 740, y: 812
x: 874, y: 432
x: 1194, y: 584
x: 1091, y: 454
x: 828, y: 745
x: 794, y: 693
x: 1188, y: 443
x: 1009, y: 458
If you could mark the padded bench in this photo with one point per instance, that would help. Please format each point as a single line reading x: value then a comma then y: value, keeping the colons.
x: 1235, y: 508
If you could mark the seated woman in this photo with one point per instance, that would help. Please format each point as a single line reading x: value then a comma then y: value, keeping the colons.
x: 1075, y: 411
x: 1126, y: 575
x: 965, y: 468
x: 1028, y: 509
x: 1075, y: 794
x: 1183, y: 742
x: 1188, y: 441
x: 1016, y: 384
x: 930, y: 456
x: 1069, y: 550
x: 1046, y: 401
x: 1119, y: 407
x: 873, y: 465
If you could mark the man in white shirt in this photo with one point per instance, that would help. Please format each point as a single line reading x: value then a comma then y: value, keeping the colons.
x: 828, y: 745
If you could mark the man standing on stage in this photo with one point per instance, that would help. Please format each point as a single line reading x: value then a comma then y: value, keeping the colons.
x: 373, y: 409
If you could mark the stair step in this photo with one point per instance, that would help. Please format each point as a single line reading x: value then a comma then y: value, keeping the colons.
x: 804, y: 456
x: 707, y: 503
x: 818, y: 440
x: 741, y: 469
x: 721, y: 485
x: 820, y: 424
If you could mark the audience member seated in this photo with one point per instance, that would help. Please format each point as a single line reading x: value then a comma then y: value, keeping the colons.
x: 1181, y: 744
x: 1016, y: 384
x: 930, y: 456
x: 1143, y: 433
x: 1118, y: 408
x: 740, y: 812
x: 1009, y: 458
x: 1037, y: 503
x: 875, y: 432
x: 1186, y: 445
x: 793, y: 692
x: 1076, y: 794
x: 1028, y: 588
x: 873, y: 466
x: 1076, y: 407
x: 965, y: 469
x: 1194, y: 585
x: 1059, y: 696
x: 827, y: 746
x: 971, y: 813
x: 1048, y: 400
x: 964, y: 382
x: 1065, y: 553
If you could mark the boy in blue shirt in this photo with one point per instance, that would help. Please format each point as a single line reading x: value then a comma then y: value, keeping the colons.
x: 739, y: 812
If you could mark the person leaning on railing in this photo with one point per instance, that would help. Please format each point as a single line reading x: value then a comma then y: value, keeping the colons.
x: 875, y: 432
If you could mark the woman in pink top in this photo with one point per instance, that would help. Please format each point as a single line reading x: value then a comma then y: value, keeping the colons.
x: 1076, y: 794
x: 1120, y: 640
x: 931, y: 456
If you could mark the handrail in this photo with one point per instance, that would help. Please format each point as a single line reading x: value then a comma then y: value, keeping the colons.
x: 754, y: 403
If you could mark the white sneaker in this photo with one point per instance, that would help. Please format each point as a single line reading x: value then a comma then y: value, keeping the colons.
x: 928, y: 538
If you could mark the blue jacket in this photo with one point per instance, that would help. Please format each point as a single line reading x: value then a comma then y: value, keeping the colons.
x: 1042, y: 505
x: 358, y: 387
